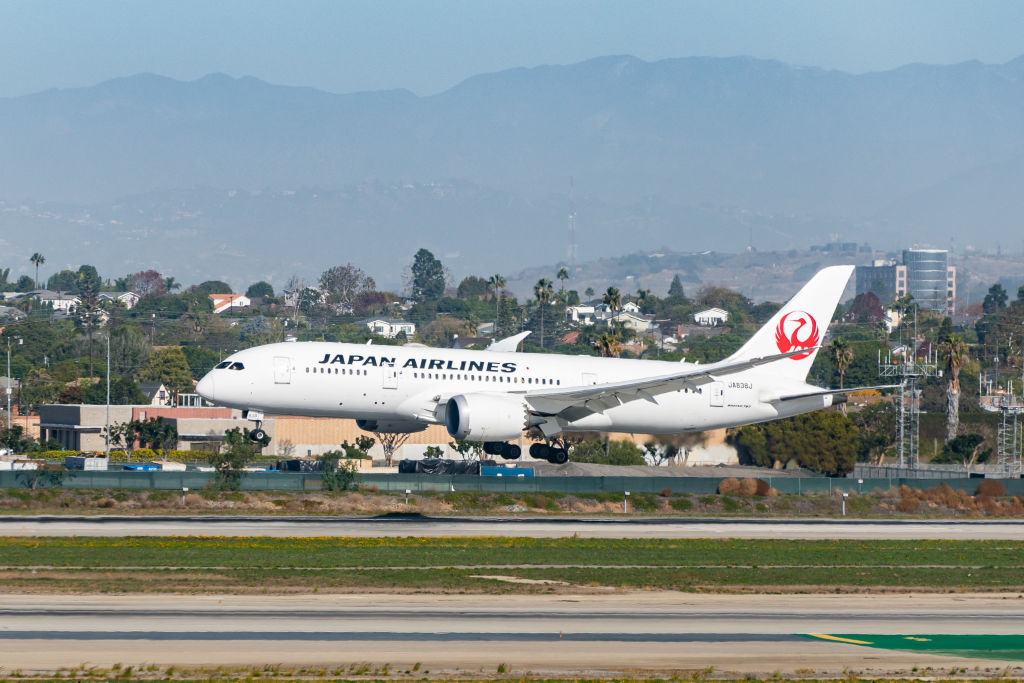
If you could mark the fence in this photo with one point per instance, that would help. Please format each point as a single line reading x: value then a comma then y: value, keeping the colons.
x: 419, y: 483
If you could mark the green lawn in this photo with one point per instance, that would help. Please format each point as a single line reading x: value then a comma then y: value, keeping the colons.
x: 211, y: 563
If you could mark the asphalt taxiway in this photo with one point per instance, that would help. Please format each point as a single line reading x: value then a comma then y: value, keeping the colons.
x: 583, y: 634
x: 604, y: 527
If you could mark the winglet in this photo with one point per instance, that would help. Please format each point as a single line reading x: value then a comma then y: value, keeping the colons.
x: 509, y: 344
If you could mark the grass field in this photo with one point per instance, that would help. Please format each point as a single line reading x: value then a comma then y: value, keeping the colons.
x: 209, y: 564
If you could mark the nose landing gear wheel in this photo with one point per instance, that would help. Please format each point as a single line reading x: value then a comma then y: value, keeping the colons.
x: 257, y: 434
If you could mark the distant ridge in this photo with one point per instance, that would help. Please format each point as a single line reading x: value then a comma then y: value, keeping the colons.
x: 693, y: 152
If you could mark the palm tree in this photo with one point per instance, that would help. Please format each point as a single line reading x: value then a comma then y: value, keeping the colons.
x: 613, y: 299
x: 954, y: 352
x: 609, y: 346
x: 842, y: 356
x: 37, y: 260
x: 563, y: 275
x: 170, y: 284
x: 543, y: 290
x: 642, y: 296
x: 498, y: 282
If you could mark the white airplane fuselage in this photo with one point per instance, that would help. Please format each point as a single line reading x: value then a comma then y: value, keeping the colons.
x: 407, y: 384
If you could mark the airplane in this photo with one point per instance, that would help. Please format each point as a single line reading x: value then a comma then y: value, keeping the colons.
x: 494, y: 395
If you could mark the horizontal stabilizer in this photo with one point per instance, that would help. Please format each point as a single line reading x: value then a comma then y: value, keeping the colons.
x: 833, y: 392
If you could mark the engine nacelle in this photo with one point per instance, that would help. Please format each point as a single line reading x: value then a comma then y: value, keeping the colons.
x: 391, y: 426
x: 486, y: 417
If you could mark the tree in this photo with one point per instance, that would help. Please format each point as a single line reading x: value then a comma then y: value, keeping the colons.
x: 589, y: 291
x: 612, y: 299
x: 824, y: 442
x: 964, y: 449
x: 428, y: 277
x: 230, y: 459
x: 24, y: 284
x: 604, y: 452
x: 995, y: 300
x: 344, y: 284
x: 129, y: 349
x: 146, y: 283
x: 842, y: 355
x: 63, y: 281
x: 337, y: 475
x: 660, y: 453
x: 37, y: 260
x: 169, y: 367
x: 498, y: 283
x: 954, y: 353
x: 876, y: 430
x: 676, y: 288
x: 473, y: 287
x: 543, y: 291
x: 123, y: 392
x: 213, y: 287
x: 170, y: 284
x: 609, y: 346
x: 260, y: 290
x: 390, y: 442
x: 469, y: 450
x: 563, y: 275
x: 89, y: 295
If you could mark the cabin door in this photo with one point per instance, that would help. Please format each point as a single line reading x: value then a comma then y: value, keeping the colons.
x: 282, y: 370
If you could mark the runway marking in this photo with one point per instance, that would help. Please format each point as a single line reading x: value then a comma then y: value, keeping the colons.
x: 825, y: 636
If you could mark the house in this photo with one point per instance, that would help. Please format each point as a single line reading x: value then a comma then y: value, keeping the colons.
x: 634, y: 321
x: 630, y: 307
x: 10, y: 313
x: 60, y: 302
x: 711, y: 317
x: 390, y: 327
x: 228, y: 302
x: 581, y: 315
x: 127, y: 299
x: 157, y: 393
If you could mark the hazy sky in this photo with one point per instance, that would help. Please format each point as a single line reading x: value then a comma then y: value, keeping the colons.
x: 428, y: 46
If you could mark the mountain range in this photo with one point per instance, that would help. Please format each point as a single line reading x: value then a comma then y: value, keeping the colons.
x: 242, y: 180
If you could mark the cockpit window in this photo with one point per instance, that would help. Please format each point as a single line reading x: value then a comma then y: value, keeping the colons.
x: 237, y: 366
x: 221, y: 366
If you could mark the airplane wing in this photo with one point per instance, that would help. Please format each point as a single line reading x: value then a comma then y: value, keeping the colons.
x: 509, y: 343
x: 573, y: 403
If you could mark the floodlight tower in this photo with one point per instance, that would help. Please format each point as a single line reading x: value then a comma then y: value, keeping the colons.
x: 911, y: 371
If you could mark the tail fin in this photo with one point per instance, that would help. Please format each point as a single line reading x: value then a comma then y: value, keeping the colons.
x: 801, y: 323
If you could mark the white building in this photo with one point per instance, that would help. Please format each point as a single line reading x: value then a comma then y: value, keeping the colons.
x: 229, y: 302
x: 390, y: 327
x: 127, y: 299
x: 711, y: 317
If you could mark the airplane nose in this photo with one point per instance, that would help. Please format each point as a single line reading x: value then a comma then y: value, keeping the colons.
x: 205, y: 387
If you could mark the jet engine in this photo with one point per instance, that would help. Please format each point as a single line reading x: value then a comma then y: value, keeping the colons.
x: 486, y: 417
x: 391, y: 426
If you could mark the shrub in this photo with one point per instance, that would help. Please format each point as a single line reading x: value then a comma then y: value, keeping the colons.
x: 730, y: 504
x: 730, y: 486
x: 144, y: 454
x: 666, y: 493
x: 991, y: 487
x: 748, y: 487
x: 763, y: 488
x: 681, y: 504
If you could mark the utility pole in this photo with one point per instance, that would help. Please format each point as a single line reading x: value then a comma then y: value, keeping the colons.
x: 106, y: 432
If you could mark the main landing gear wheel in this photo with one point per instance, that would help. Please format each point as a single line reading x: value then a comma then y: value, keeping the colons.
x: 506, y: 450
x: 556, y: 456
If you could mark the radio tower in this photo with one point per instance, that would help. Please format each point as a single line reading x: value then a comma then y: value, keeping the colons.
x: 572, y: 227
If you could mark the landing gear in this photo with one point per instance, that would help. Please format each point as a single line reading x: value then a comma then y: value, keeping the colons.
x: 556, y: 456
x: 257, y: 434
x: 508, y: 451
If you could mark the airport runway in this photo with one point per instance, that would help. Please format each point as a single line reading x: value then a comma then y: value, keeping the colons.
x: 583, y: 634
x: 658, y: 527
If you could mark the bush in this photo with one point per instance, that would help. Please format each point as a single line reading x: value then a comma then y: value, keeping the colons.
x: 748, y: 487
x: 681, y: 504
x: 730, y: 486
x: 991, y: 487
x: 144, y: 454
x: 730, y: 504
x: 57, y: 455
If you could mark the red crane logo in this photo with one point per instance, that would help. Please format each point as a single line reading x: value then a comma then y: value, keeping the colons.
x: 797, y: 330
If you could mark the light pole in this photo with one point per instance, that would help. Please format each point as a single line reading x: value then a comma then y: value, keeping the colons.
x: 8, y: 390
x: 106, y: 432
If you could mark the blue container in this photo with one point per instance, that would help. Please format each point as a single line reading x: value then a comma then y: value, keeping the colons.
x: 143, y: 468
x: 487, y: 471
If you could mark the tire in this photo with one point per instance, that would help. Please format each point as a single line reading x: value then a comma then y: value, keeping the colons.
x: 511, y: 452
x: 494, y: 447
x: 558, y: 456
x: 539, y: 451
x: 257, y: 435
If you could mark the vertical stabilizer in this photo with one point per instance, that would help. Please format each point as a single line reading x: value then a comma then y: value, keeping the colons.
x: 800, y: 323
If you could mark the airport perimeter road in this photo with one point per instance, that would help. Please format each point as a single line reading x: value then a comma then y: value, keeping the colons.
x: 625, y: 527
x: 583, y: 634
